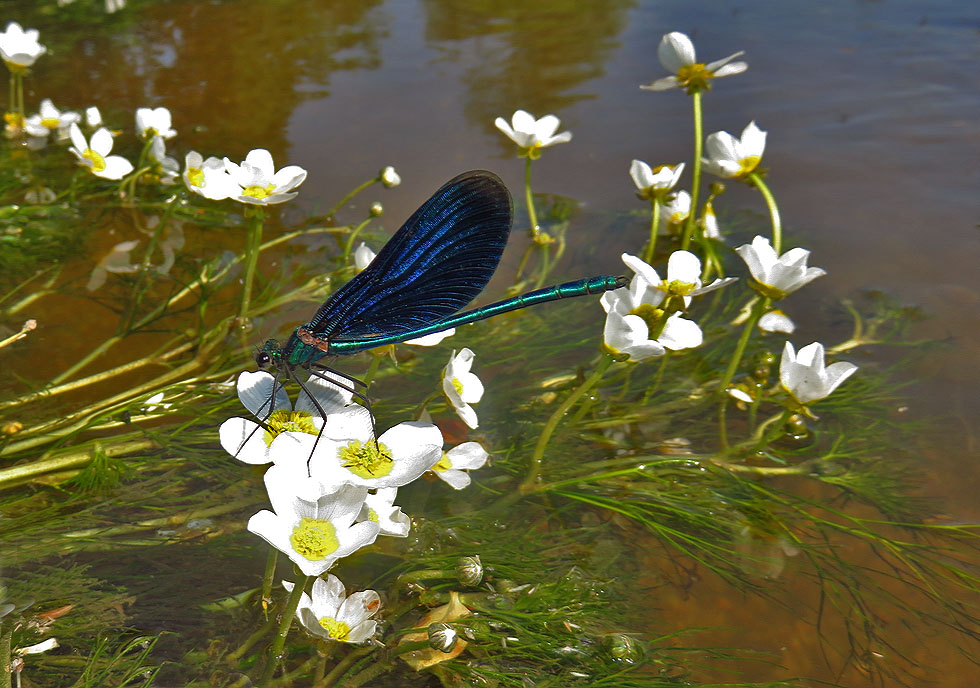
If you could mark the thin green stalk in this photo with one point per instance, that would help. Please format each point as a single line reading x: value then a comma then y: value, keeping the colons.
x: 12, y: 95
x: 275, y: 650
x: 650, y: 249
x: 761, y: 306
x: 695, y: 170
x: 777, y: 227
x: 270, y: 573
x: 343, y: 665
x: 537, y: 458
x: 24, y: 472
x: 529, y: 199
x: 6, y: 631
x: 349, y: 246
x: 545, y: 266
x: 253, y: 247
x: 343, y: 201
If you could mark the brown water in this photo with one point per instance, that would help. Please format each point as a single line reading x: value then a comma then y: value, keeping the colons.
x: 872, y: 109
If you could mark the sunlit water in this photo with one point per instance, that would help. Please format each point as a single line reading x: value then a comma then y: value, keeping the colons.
x: 871, y: 108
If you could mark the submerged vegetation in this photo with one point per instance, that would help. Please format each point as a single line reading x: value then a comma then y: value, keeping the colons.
x: 688, y: 438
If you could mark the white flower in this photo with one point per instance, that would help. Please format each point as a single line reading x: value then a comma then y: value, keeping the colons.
x: 454, y: 463
x: 734, y: 158
x: 462, y: 387
x: 155, y: 122
x: 532, y: 134
x: 379, y: 507
x: 637, y: 326
x: 154, y: 403
x: 676, y: 210
x: 777, y: 276
x: 94, y: 154
x: 259, y: 183
x: 776, y: 321
x: 313, y: 534
x: 389, y: 177
x: 208, y: 178
x: 19, y: 48
x: 168, y: 168
x: 248, y: 441
x: 431, y: 339
x: 805, y: 376
x: 331, y: 615
x: 112, y: 6
x: 363, y: 255
x: 676, y: 54
x: 347, y: 453
x: 50, y: 118
x: 709, y: 222
x: 93, y: 118
x: 655, y: 183
x: 117, y: 261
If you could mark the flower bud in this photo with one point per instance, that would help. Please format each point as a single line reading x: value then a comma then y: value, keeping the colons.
x: 469, y: 570
x: 796, y: 426
x: 442, y: 637
x: 389, y: 177
x: 376, y: 209
x: 623, y: 648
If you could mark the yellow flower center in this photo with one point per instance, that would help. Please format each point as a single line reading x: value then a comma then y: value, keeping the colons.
x: 444, y: 464
x: 195, y: 175
x: 98, y: 162
x: 457, y: 385
x: 695, y: 77
x: 366, y: 459
x: 677, y: 288
x: 314, y: 539
x: 50, y: 122
x: 284, y: 420
x: 747, y: 165
x: 337, y: 630
x: 259, y: 191
x: 373, y: 515
x: 652, y: 316
x: 14, y: 119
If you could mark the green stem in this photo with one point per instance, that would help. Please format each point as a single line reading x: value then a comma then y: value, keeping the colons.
x: 761, y: 306
x: 777, y: 227
x: 275, y: 650
x: 649, y: 251
x: 349, y: 246
x: 343, y: 665
x: 545, y: 266
x: 529, y: 198
x: 372, y: 369
x: 343, y: 201
x: 270, y: 573
x: 695, y: 171
x: 537, y: 458
x: 5, y: 677
x: 253, y: 247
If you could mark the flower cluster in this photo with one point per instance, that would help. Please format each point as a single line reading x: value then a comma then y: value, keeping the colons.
x: 332, y: 484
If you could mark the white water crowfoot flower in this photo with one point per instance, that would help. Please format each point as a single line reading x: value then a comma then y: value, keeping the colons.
x: 249, y: 442
x: 776, y: 321
x: 643, y: 320
x: 454, y: 463
x: 363, y: 255
x: 676, y: 209
x: 331, y: 615
x: 655, y: 183
x: 531, y: 134
x: 93, y: 118
x: 258, y: 182
x: 154, y: 122
x: 379, y: 507
x: 431, y: 339
x: 389, y: 177
x: 462, y: 387
x: 94, y: 154
x: 776, y: 276
x: 734, y: 158
x: 19, y: 48
x: 676, y: 54
x: 805, y: 376
x: 314, y: 534
x: 347, y: 453
x: 50, y: 118
x: 208, y: 178
x: 165, y: 167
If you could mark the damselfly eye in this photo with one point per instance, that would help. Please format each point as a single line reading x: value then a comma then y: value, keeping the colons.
x: 263, y: 360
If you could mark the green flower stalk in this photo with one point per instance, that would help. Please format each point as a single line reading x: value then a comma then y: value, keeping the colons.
x: 654, y: 185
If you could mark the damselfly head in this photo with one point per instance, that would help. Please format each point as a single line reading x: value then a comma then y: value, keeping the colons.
x: 269, y: 355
